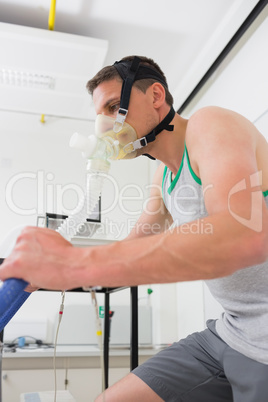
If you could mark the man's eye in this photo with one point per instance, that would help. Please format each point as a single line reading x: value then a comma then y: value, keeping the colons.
x: 114, y: 108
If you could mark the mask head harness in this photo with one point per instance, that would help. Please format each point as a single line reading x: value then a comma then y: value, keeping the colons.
x: 131, y: 71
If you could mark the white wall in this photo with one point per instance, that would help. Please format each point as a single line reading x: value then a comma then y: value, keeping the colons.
x: 240, y: 83
x: 36, y: 164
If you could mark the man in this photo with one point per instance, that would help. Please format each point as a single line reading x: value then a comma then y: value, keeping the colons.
x: 216, y: 172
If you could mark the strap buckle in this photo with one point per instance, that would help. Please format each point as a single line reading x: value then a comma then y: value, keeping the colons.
x: 133, y: 146
x: 120, y: 119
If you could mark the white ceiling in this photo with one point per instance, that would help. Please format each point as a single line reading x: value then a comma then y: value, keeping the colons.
x: 183, y: 36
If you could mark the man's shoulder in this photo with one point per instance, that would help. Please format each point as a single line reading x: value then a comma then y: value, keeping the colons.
x: 214, y: 124
x: 214, y: 133
x: 206, y: 116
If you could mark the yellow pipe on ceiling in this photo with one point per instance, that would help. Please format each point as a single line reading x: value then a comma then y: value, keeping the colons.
x: 51, y: 24
x: 52, y: 15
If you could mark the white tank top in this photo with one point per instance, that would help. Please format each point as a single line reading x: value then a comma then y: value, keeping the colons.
x: 244, y: 294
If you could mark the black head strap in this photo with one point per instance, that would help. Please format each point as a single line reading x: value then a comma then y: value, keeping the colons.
x: 124, y: 67
x: 163, y: 125
x: 131, y: 71
x: 128, y: 74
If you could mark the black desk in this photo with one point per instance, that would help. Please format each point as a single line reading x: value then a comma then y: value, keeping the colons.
x: 133, y: 331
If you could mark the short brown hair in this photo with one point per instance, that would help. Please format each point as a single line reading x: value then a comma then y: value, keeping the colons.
x: 109, y: 73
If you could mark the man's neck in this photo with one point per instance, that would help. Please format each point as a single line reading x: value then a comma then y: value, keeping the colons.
x: 168, y: 146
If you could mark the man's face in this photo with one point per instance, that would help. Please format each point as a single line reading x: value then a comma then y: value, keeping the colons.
x: 141, y: 113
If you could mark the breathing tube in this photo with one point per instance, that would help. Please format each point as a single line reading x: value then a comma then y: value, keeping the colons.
x: 96, y: 151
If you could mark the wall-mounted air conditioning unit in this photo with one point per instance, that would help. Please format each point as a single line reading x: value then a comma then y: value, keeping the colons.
x: 45, y: 72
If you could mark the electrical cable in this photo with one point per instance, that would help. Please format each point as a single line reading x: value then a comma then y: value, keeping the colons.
x: 99, y: 337
x: 66, y: 381
x: 20, y: 343
x: 55, y: 348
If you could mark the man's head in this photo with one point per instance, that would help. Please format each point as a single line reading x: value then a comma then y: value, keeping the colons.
x: 134, y: 91
x: 110, y: 72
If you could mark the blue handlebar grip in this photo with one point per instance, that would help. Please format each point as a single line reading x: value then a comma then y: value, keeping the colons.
x: 12, y: 297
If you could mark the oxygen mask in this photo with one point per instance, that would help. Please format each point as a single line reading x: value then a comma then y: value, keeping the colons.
x: 119, y: 137
x: 107, y: 144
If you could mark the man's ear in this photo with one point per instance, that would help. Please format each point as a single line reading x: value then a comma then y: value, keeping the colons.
x: 159, y: 94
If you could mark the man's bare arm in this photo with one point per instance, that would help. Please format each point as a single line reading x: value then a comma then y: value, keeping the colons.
x: 167, y: 257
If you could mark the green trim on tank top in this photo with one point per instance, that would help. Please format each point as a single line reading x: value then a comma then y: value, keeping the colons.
x: 163, y: 180
x: 196, y: 178
x: 174, y: 182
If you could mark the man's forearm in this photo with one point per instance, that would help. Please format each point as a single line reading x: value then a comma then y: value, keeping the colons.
x: 212, y: 247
